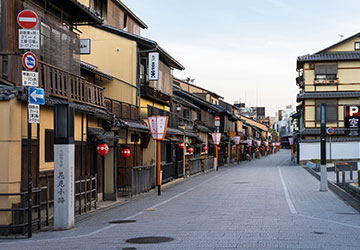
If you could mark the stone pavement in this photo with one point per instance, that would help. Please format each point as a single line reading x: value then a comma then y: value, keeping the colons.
x: 263, y: 204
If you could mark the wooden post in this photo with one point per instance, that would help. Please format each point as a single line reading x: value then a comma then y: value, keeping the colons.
x: 158, y: 167
x: 250, y: 153
x: 292, y: 151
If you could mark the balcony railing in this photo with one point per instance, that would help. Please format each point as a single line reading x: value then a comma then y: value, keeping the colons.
x: 55, y: 81
x: 122, y: 110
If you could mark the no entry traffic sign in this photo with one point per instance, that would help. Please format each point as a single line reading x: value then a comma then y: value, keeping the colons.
x: 27, y: 19
x: 29, y: 61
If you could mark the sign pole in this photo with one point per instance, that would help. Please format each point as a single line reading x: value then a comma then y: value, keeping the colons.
x: 323, y: 173
x: 29, y: 181
x: 158, y: 167
x: 217, y: 157
x: 237, y: 152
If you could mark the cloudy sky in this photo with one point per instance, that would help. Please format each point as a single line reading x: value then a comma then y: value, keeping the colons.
x: 238, y: 48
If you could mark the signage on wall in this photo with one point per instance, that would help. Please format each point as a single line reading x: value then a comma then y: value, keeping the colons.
x: 153, y: 66
x: 27, y: 19
x: 29, y: 39
x: 352, y: 117
x: 36, y: 96
x: 34, y: 113
x: 85, y: 46
x: 30, y: 78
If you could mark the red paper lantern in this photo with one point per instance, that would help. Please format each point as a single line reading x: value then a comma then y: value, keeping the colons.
x: 181, y: 145
x: 125, y: 153
x: 219, y: 148
x: 204, y: 148
x: 102, y: 149
x: 190, y: 150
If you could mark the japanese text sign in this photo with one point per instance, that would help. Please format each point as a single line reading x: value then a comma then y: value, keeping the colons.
x: 158, y: 126
x: 153, y: 66
x: 216, y: 138
x: 237, y: 140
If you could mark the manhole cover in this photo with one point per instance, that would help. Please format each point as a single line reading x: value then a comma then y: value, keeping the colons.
x: 348, y: 213
x: 149, y: 240
x: 241, y: 182
x: 121, y: 221
x: 318, y: 232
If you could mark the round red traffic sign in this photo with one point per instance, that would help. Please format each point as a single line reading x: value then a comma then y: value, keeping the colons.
x: 217, y: 118
x: 27, y: 19
x: 330, y: 131
x: 29, y: 61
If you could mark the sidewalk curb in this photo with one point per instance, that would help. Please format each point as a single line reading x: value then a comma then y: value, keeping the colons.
x: 346, y: 197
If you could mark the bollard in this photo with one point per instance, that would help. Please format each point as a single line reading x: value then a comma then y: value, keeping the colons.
x: 343, y: 178
x: 337, y: 176
x: 351, y: 173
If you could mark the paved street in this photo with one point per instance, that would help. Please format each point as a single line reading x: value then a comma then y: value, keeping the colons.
x: 264, y: 204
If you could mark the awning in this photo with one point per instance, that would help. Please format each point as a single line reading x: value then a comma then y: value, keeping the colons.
x: 134, y: 126
x: 173, y: 131
x: 202, y: 128
x: 101, y: 134
x: 190, y: 134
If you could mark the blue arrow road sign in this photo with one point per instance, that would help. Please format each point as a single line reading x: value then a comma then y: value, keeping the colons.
x: 36, y: 96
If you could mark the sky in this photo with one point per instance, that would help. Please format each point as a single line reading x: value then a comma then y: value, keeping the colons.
x: 246, y: 50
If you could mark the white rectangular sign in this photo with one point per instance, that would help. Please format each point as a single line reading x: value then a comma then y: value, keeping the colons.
x: 85, y: 46
x: 30, y: 78
x: 29, y: 39
x: 153, y: 66
x: 33, y: 113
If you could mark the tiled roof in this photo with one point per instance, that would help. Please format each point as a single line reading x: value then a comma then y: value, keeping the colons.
x: 328, y: 57
x: 7, y: 93
x: 134, y: 126
x: 322, y: 95
x: 94, y: 69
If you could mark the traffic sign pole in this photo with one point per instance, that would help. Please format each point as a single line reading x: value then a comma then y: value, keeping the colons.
x: 158, y: 167
x: 29, y: 180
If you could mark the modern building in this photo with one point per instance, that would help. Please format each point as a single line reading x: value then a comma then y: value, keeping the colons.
x: 330, y: 76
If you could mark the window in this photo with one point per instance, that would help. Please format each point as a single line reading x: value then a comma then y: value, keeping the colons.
x: 49, y: 145
x: 357, y: 45
x: 331, y: 110
x: 125, y: 20
x: 325, y: 72
x: 187, y: 114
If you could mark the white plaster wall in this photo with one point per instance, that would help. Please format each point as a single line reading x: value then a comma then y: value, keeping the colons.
x: 339, y: 150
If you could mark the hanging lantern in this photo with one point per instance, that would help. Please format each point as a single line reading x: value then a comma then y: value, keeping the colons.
x: 204, y: 148
x: 125, y: 153
x: 102, y: 149
x: 190, y: 150
x: 181, y: 145
x: 219, y: 148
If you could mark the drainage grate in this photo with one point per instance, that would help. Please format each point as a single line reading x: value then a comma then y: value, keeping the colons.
x: 241, y: 182
x: 149, y: 240
x: 129, y: 248
x: 121, y: 221
x: 348, y: 213
x: 318, y: 232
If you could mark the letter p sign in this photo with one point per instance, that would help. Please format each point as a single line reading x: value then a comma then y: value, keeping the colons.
x: 353, y: 110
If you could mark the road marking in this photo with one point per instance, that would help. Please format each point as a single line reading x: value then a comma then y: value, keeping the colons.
x: 287, y: 196
x: 127, y: 218
x: 331, y: 221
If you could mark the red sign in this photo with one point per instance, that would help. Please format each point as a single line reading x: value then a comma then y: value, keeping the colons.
x: 29, y: 61
x: 27, y: 19
x: 217, y: 118
x: 352, y: 111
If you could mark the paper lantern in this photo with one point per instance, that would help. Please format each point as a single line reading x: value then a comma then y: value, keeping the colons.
x: 181, y: 145
x: 204, y: 148
x: 102, y: 149
x: 190, y: 150
x: 125, y: 153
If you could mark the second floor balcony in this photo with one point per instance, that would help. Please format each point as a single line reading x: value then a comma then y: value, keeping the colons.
x: 55, y: 81
x: 122, y: 110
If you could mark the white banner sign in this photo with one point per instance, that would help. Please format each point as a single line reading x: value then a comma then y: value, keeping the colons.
x: 153, y: 66
x: 291, y: 140
x: 34, y: 113
x: 30, y: 78
x: 29, y: 39
x: 237, y: 140
x: 216, y: 138
x: 158, y: 125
